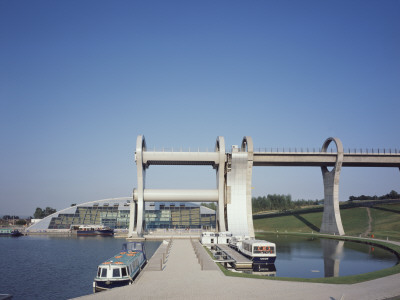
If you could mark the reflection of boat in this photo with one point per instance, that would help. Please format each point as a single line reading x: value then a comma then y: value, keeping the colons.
x: 259, y: 251
x: 263, y: 270
x: 122, y: 268
x: 10, y: 232
x: 88, y: 230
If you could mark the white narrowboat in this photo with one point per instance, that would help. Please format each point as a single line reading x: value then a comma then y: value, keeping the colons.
x: 259, y: 251
x: 224, y: 238
x: 209, y: 238
x: 122, y: 268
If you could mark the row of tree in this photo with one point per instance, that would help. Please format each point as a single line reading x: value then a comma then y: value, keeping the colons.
x: 393, y: 195
x: 273, y: 202
x: 8, y: 217
x: 279, y: 202
x: 42, y: 213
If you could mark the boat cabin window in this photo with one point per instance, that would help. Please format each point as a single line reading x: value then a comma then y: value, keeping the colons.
x: 116, y: 272
x: 263, y: 250
x: 124, y: 273
x: 98, y: 272
x: 103, y: 272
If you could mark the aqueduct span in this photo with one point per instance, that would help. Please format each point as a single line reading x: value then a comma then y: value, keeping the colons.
x: 234, y: 177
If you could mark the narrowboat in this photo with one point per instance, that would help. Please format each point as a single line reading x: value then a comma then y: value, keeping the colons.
x: 236, y: 241
x: 224, y: 237
x: 259, y: 251
x: 121, y: 269
x: 10, y: 232
x: 90, y: 230
x: 209, y: 238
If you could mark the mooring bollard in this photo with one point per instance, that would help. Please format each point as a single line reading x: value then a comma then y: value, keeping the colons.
x: 161, y: 264
x: 164, y: 258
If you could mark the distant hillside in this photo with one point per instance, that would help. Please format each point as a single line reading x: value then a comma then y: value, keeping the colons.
x: 380, y: 220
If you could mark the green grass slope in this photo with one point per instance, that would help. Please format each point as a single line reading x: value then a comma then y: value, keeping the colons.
x: 385, y: 222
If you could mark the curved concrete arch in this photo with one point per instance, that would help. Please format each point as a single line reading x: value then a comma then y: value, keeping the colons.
x: 339, y: 157
x: 247, y: 144
x: 141, y: 173
x: 331, y: 220
x: 221, y: 216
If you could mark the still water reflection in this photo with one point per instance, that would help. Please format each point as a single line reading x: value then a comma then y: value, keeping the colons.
x: 306, y: 257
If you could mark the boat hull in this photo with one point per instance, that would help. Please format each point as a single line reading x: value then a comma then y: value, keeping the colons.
x: 264, y: 260
x: 106, y: 285
x: 260, y: 260
x: 12, y: 234
x: 95, y: 232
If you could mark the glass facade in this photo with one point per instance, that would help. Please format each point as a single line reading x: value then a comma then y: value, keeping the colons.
x: 115, y: 213
x: 107, y: 215
x: 176, y: 215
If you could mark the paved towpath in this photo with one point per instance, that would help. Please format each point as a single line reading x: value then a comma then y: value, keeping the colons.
x: 182, y: 277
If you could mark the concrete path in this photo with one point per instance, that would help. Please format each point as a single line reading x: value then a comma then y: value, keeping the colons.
x: 183, y: 278
x: 369, y: 228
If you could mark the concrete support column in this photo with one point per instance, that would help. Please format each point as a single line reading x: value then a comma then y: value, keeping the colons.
x: 331, y: 220
x: 220, y: 148
x: 141, y: 173
x: 238, y: 181
x: 132, y: 218
x: 247, y: 145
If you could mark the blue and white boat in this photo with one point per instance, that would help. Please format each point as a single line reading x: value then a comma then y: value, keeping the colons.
x: 10, y: 232
x: 91, y: 230
x: 259, y: 251
x: 122, y: 268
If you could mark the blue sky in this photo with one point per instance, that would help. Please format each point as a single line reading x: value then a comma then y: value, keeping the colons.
x: 79, y: 80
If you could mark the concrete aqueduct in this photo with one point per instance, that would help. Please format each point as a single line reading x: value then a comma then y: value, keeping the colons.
x: 234, y: 177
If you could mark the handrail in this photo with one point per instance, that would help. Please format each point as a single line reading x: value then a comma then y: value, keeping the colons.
x: 380, y: 151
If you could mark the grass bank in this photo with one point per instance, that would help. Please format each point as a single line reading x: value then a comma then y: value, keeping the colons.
x: 385, y: 221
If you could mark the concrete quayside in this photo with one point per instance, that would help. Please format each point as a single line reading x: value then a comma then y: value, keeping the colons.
x: 183, y: 269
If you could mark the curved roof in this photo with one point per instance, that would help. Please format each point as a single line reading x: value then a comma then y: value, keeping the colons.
x: 44, y: 223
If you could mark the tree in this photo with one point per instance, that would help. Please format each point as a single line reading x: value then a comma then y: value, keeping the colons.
x: 49, y: 211
x: 210, y: 205
x: 40, y: 213
x: 21, y: 222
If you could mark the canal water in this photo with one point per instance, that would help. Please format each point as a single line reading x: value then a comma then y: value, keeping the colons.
x: 308, y: 257
x: 50, y: 267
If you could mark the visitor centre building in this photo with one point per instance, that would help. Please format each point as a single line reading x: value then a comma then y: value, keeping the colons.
x: 115, y: 213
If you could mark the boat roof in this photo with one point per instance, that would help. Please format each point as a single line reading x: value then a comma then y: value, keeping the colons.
x: 122, y: 258
x: 133, y: 246
x: 257, y: 242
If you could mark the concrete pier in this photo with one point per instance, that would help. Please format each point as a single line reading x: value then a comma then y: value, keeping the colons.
x: 182, y: 277
x: 241, y: 262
